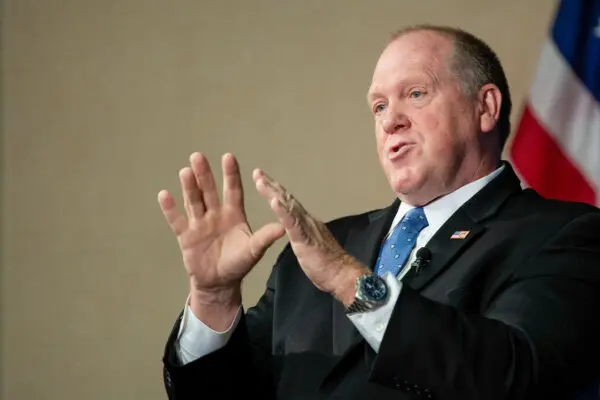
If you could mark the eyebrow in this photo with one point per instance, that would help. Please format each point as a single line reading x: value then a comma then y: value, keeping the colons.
x: 373, y: 95
x: 430, y: 80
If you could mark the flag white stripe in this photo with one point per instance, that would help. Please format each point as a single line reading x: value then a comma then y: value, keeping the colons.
x: 568, y: 112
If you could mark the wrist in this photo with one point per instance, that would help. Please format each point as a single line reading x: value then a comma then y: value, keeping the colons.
x: 345, y: 286
x: 222, y: 296
x: 371, y: 292
x: 216, y: 308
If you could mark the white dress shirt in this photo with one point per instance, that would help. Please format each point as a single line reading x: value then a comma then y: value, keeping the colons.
x: 195, y: 339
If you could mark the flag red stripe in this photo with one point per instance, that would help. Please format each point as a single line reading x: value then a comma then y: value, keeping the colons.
x: 543, y: 165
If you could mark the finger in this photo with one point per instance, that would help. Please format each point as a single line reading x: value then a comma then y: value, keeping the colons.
x: 177, y: 222
x: 269, y: 189
x: 286, y: 218
x: 293, y: 223
x: 263, y: 238
x: 233, y: 192
x: 272, y: 188
x: 192, y: 195
x: 265, y: 191
x: 289, y: 211
x: 206, y: 180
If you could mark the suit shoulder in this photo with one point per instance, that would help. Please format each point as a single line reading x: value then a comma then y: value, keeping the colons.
x: 548, y: 217
x: 552, y: 208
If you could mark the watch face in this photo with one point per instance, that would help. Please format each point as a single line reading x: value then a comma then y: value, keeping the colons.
x: 374, y: 288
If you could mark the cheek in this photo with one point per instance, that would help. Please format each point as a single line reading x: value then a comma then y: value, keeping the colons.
x: 439, y: 132
x: 380, y: 141
x: 429, y: 128
x: 430, y: 122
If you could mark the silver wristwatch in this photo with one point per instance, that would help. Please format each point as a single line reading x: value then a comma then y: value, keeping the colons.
x: 371, y: 293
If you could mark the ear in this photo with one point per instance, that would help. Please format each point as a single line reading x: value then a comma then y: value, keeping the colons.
x: 490, y: 100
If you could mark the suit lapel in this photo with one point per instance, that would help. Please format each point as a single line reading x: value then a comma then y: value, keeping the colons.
x: 444, y: 246
x: 450, y: 239
x: 363, y: 243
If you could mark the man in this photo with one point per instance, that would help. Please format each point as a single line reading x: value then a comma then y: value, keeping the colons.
x: 466, y: 287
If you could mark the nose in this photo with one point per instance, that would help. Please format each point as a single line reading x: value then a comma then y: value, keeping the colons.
x: 393, y: 121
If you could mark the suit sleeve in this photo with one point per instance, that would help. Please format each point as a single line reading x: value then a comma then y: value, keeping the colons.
x: 536, y: 335
x: 240, y: 369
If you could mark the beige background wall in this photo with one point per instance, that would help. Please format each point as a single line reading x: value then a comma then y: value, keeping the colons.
x: 103, y: 101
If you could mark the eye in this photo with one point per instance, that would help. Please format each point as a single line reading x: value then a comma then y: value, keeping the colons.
x: 379, y: 108
x: 415, y: 94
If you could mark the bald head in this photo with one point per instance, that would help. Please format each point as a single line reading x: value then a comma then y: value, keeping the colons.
x: 422, y: 50
x: 472, y: 62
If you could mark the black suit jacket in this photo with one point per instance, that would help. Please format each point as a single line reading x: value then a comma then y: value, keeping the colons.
x: 512, y: 311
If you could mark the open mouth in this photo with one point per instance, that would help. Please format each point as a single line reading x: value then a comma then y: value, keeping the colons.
x: 400, y: 150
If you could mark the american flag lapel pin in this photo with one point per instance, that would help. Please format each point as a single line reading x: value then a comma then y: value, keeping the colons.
x: 459, y: 234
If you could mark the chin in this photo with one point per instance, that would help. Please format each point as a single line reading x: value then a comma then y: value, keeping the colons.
x: 403, y: 185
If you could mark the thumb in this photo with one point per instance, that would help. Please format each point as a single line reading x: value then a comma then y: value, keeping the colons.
x: 263, y: 238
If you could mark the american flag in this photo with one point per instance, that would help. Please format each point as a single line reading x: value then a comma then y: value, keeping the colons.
x: 556, y: 148
x: 459, y: 235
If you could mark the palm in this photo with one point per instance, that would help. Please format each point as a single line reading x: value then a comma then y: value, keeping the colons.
x: 217, y: 254
x: 216, y: 242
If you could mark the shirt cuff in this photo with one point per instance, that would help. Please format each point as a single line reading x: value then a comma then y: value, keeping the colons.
x: 195, y: 339
x: 372, y: 324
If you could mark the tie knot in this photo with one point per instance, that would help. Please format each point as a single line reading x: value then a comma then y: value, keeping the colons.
x: 415, y: 217
x: 409, y: 227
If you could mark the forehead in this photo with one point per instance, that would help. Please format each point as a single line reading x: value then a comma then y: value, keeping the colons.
x: 413, y: 54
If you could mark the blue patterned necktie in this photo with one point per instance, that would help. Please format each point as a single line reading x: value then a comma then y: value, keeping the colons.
x: 397, y: 247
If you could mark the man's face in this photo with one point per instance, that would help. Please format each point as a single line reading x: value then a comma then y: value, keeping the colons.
x: 426, y: 129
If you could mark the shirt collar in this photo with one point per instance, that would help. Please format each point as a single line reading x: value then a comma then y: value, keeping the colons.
x: 440, y: 210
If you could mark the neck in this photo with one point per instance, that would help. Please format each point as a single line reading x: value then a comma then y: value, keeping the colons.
x: 463, y: 175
